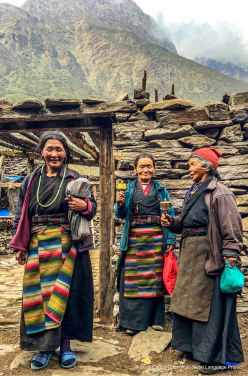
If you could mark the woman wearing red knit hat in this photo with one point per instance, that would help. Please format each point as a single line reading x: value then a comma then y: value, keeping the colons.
x: 205, y: 321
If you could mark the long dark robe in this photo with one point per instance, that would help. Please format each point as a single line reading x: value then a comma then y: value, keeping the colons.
x: 215, y: 341
x: 78, y: 319
x: 213, y: 338
x: 139, y: 313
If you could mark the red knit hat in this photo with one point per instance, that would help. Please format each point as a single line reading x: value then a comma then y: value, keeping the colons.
x: 210, y: 154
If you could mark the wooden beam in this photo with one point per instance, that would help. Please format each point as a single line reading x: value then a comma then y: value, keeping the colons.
x: 85, y: 162
x: 30, y: 166
x: 9, y: 146
x: 106, y: 280
x: 74, y: 149
x: 144, y: 81
x: 156, y: 95
x: 19, y: 140
x: 32, y: 137
x: 78, y: 139
x: 85, y: 111
x: 95, y: 136
x: 57, y: 125
x: 173, y: 90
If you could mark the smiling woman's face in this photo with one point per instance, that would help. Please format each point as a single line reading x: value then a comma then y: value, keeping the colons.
x: 54, y: 154
x: 197, y: 172
x: 145, y: 169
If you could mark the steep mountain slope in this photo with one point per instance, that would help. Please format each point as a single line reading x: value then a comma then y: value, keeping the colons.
x: 44, y: 56
x: 123, y: 14
x: 227, y: 68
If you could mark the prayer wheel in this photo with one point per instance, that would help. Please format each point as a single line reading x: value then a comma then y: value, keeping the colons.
x: 165, y: 205
x: 121, y: 187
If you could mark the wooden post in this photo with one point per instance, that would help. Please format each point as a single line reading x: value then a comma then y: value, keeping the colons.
x: 173, y: 90
x: 156, y: 95
x: 144, y: 81
x: 106, y: 280
x: 148, y: 96
x: 30, y: 165
x: 1, y: 172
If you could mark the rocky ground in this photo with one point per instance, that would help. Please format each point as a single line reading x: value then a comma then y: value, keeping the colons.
x: 111, y: 352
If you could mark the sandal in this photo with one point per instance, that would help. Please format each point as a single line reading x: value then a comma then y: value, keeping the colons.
x: 68, y: 355
x: 41, y: 358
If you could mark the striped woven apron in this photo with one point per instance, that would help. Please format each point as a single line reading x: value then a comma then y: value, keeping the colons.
x: 144, y: 263
x: 47, y: 278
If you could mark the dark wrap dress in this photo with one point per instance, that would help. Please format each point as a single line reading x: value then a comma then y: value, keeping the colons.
x: 77, y: 322
x: 205, y: 321
x: 137, y: 313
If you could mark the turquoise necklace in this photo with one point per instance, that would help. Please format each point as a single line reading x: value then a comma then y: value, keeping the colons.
x: 55, y: 198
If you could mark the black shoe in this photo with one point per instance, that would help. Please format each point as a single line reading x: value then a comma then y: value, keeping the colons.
x: 131, y: 332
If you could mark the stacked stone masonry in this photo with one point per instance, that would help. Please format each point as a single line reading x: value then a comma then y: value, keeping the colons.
x: 170, y: 131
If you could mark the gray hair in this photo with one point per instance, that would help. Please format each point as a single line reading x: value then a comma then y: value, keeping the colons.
x: 206, y: 164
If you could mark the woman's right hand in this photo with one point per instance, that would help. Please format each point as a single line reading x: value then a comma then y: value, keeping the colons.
x: 166, y: 220
x: 120, y: 197
x: 21, y: 257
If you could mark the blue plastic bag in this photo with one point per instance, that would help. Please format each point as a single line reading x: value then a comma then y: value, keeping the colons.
x: 232, y: 279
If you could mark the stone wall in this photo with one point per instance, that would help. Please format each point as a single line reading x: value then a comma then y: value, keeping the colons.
x: 170, y: 131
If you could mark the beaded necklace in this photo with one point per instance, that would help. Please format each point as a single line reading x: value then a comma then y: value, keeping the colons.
x: 62, y: 181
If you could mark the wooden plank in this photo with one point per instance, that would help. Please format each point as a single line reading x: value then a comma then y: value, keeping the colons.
x: 17, y: 153
x: 85, y: 111
x: 1, y: 160
x: 10, y: 185
x: 94, y: 183
x: 106, y: 280
x: 42, y: 126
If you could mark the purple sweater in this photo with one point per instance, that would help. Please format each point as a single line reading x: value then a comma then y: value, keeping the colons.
x: 22, y: 221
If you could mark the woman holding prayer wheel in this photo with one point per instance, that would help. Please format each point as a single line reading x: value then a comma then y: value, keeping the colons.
x: 205, y: 321
x: 57, y: 285
x: 143, y: 242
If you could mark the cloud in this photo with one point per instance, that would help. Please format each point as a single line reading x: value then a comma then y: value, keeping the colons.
x: 223, y: 41
x: 116, y: 1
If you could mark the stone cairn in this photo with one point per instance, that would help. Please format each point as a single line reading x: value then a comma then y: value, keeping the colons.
x: 171, y: 130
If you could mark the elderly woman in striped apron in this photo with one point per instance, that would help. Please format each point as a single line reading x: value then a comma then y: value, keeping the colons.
x: 58, y: 285
x: 143, y: 243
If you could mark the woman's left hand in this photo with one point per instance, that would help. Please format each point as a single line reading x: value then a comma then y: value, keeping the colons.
x: 170, y: 247
x: 232, y: 260
x: 76, y: 204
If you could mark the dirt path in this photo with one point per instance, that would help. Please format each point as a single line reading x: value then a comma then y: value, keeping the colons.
x: 107, y: 355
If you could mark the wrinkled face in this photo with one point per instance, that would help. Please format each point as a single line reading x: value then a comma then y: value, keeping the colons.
x: 197, y: 173
x: 145, y: 169
x: 54, y: 154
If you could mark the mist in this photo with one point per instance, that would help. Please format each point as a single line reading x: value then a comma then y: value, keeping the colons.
x: 222, y: 41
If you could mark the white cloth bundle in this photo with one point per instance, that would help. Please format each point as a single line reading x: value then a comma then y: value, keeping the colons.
x: 79, y: 188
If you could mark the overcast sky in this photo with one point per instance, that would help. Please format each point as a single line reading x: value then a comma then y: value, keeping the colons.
x: 184, y: 11
x: 212, y: 28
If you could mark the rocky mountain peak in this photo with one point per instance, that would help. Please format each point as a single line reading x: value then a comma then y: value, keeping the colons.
x: 123, y: 14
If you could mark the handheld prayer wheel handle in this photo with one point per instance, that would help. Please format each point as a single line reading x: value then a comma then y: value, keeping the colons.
x: 120, y: 188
